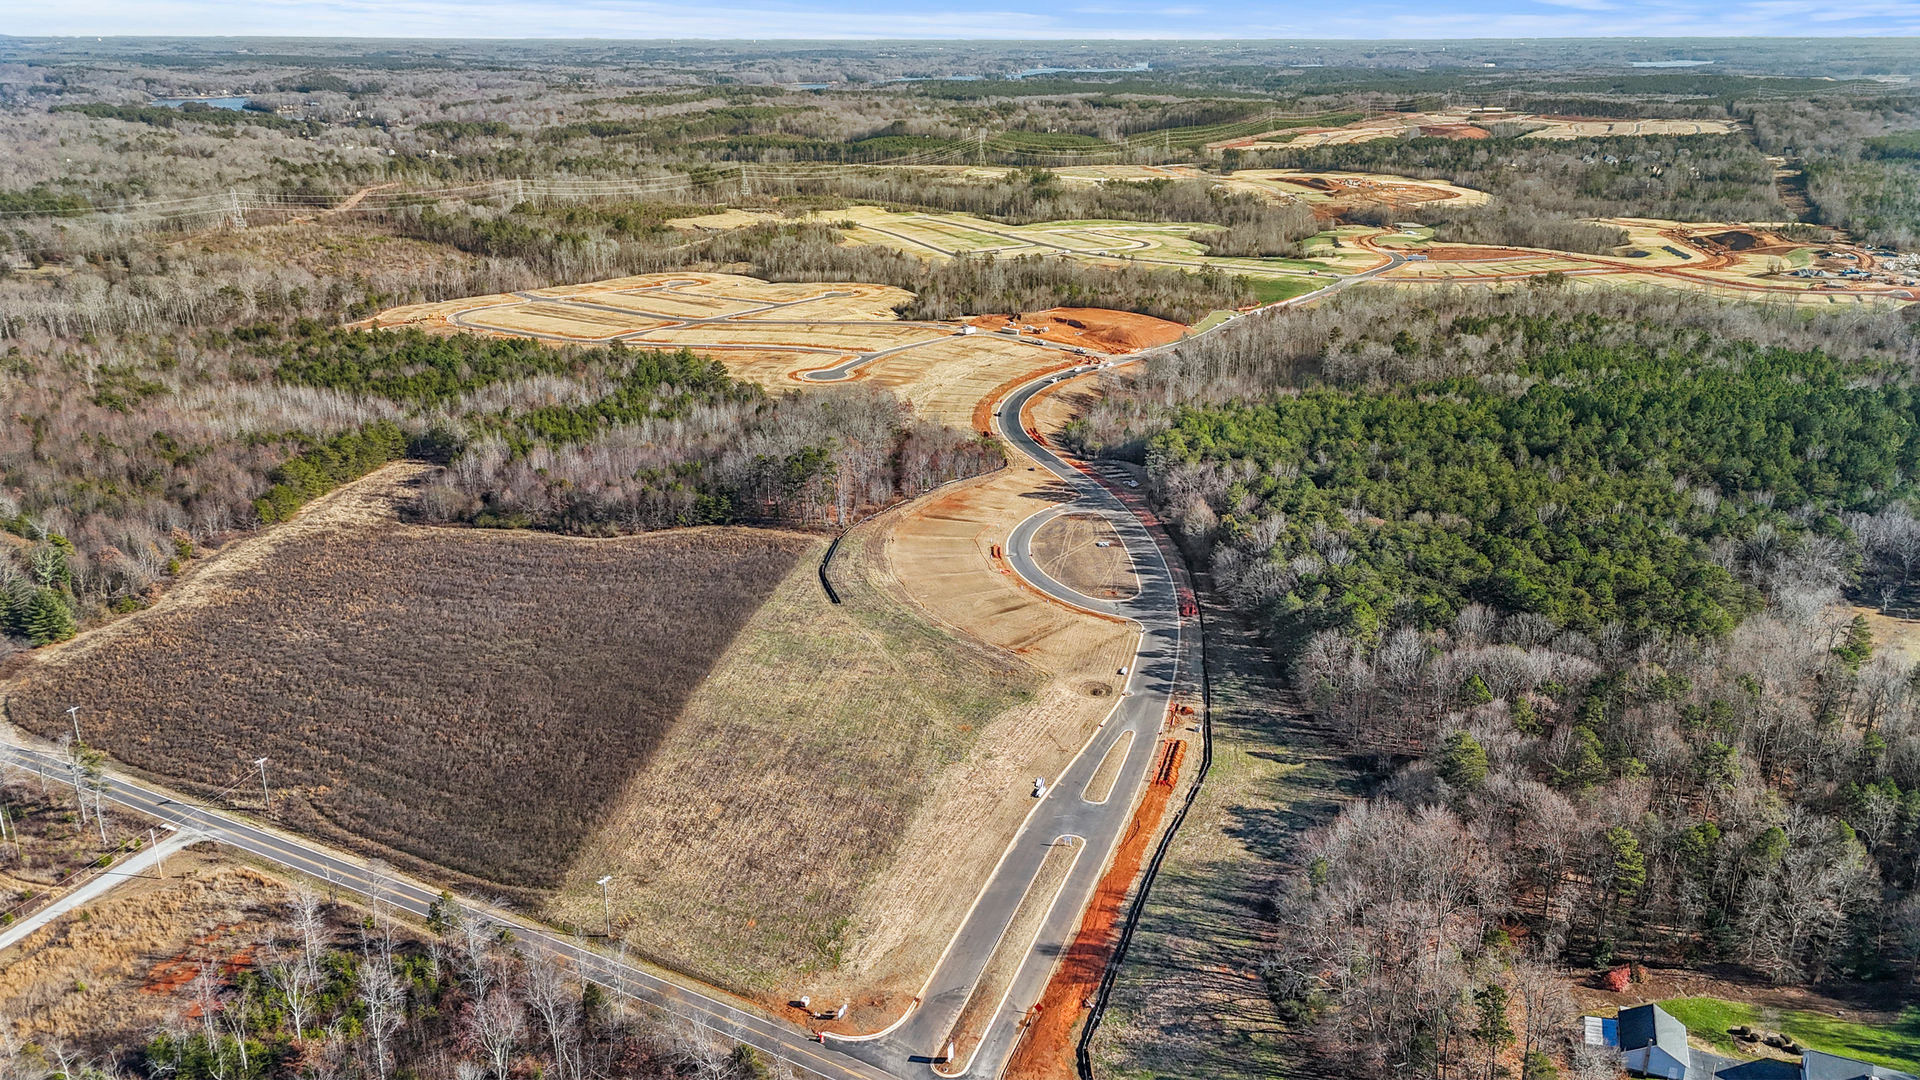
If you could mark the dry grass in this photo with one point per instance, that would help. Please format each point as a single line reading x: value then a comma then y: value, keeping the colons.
x: 49, y: 850
x: 743, y: 847
x: 1068, y: 549
x: 1010, y: 952
x: 474, y: 699
x: 1189, y: 1000
x: 106, y: 978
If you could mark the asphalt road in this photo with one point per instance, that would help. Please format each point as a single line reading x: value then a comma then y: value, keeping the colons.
x: 920, y: 1039
x: 730, y: 1020
x: 914, y: 1042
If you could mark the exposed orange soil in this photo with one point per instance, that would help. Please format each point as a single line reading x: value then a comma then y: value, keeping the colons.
x: 174, y: 974
x: 983, y: 412
x: 1443, y: 253
x: 1046, y: 1050
x: 108, y: 978
x: 1455, y: 131
x: 1091, y: 328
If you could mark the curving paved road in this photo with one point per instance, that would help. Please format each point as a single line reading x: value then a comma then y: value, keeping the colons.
x: 920, y: 1038
x: 730, y: 1020
x: 917, y: 1039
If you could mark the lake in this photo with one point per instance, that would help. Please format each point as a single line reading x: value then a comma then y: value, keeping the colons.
x: 233, y: 103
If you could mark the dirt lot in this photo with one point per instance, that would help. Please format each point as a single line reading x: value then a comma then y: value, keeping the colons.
x: 467, y: 697
x: 1070, y: 549
x: 1098, y: 329
x: 657, y: 308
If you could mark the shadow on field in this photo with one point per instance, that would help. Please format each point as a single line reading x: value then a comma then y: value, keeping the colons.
x: 472, y: 698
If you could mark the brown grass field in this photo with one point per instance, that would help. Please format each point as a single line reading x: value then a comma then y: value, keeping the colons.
x: 105, y: 980
x: 477, y: 700
x: 1067, y: 548
x: 744, y: 849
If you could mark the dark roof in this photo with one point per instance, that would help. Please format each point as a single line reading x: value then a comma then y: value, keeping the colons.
x: 1651, y: 1025
x: 1815, y: 1065
x: 1763, y: 1069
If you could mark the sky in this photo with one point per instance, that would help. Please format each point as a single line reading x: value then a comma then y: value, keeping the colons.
x: 1029, y: 19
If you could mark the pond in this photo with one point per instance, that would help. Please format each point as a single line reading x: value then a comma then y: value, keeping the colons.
x: 233, y: 103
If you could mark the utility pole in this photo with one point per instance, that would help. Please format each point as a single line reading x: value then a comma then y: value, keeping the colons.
x: 73, y: 714
x: 266, y: 797
x: 606, y: 902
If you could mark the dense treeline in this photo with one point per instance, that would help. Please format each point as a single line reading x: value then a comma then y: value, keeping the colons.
x: 1589, y: 484
x: 320, y: 468
x: 1575, y: 561
x: 1685, y: 177
x: 190, y: 112
x: 113, y: 480
x: 804, y: 459
x: 973, y: 284
x: 1509, y: 227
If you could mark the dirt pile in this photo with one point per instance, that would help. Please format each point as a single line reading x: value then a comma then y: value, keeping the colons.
x: 1096, y: 329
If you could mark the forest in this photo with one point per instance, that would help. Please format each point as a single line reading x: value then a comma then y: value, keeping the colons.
x: 1582, y: 572
x: 577, y: 439
x: 1586, y: 580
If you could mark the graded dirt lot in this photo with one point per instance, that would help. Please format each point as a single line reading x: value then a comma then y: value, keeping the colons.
x: 1096, y: 329
x: 473, y: 699
x: 1473, y: 124
x: 676, y: 309
x: 1722, y: 257
x: 1082, y: 552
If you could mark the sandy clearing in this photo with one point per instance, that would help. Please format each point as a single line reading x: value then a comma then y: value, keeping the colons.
x: 676, y: 304
x: 877, y: 336
x: 721, y: 221
x: 945, y: 381
x: 587, y: 324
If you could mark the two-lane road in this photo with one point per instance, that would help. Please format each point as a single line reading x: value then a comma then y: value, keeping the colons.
x: 910, y: 1047
x: 732, y: 1020
x: 919, y: 1041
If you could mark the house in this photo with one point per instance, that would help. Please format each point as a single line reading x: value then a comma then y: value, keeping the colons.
x: 1815, y: 1065
x: 1653, y: 1043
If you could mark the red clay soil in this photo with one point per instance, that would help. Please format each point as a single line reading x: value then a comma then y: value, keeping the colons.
x: 1476, y: 254
x: 1097, y: 329
x: 983, y: 412
x: 1454, y: 131
x: 1045, y: 1051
